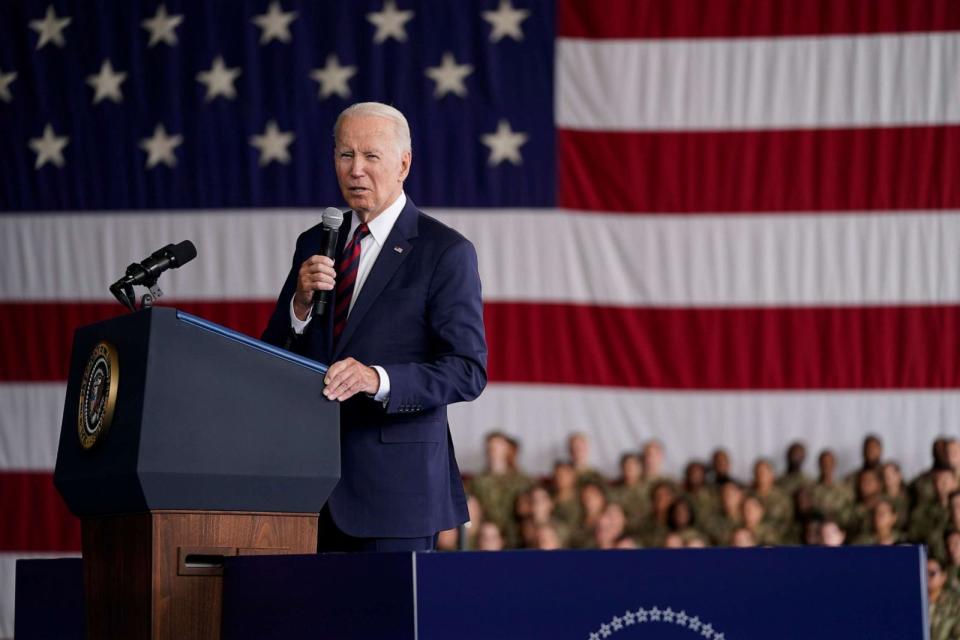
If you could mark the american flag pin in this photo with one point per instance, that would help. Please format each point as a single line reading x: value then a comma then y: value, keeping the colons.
x: 398, y: 249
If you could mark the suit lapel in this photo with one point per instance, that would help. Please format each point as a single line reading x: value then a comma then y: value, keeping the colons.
x: 392, y: 254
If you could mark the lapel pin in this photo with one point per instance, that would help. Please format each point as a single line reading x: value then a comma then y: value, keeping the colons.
x: 398, y: 249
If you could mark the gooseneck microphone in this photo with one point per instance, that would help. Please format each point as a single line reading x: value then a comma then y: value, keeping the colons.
x: 172, y: 256
x: 332, y: 219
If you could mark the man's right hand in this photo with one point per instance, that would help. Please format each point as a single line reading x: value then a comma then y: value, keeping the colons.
x: 316, y: 274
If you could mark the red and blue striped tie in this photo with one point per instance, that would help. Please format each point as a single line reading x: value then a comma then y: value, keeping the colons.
x: 346, y: 278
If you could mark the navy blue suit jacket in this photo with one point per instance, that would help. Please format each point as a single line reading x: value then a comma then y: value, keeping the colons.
x: 418, y: 315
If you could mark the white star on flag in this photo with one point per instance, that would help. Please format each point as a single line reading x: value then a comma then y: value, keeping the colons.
x: 50, y: 28
x: 160, y: 147
x: 275, y: 24
x: 162, y: 27
x: 390, y: 22
x: 506, y: 21
x: 5, y: 80
x: 49, y: 148
x: 449, y: 76
x: 219, y: 80
x: 273, y: 144
x: 333, y: 78
x: 106, y: 83
x: 504, y: 144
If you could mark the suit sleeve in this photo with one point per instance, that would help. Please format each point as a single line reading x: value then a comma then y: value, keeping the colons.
x: 279, y: 332
x: 457, y: 368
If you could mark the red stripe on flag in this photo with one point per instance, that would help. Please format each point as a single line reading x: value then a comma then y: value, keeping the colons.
x: 760, y: 171
x: 725, y: 348
x: 44, y: 331
x: 669, y: 348
x: 732, y: 18
x: 35, y: 517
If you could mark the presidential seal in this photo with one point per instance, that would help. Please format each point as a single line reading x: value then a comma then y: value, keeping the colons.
x: 98, y: 394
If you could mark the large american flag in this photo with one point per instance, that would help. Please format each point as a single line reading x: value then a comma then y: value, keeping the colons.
x: 706, y: 221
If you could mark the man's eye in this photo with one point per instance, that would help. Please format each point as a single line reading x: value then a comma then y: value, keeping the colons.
x: 372, y: 156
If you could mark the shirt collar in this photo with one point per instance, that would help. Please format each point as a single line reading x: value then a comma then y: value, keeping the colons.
x: 381, y: 226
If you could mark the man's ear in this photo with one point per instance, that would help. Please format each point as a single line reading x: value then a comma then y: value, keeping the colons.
x: 406, y: 159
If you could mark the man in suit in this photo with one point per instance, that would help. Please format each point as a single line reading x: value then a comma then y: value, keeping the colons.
x: 404, y: 331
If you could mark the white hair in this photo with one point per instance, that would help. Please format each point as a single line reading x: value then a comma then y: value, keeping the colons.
x: 379, y: 110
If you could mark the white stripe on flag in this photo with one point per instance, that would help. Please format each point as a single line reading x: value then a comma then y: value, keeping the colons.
x: 525, y: 255
x: 758, y: 83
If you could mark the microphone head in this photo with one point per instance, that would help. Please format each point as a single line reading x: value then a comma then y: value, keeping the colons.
x: 182, y: 253
x: 332, y: 218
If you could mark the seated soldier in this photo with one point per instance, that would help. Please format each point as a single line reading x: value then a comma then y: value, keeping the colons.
x: 951, y: 543
x: 566, y: 498
x: 871, y: 455
x: 858, y: 520
x: 929, y: 519
x: 777, y: 505
x: 765, y: 533
x: 944, y: 603
x: 884, y: 530
x: 921, y: 488
x: 830, y: 497
x: 499, y: 485
x: 720, y: 528
x: 629, y: 491
x: 794, y: 478
x: 655, y: 529
x: 896, y: 491
x: 610, y: 527
x: 702, y: 498
x: 593, y: 500
x: 682, y: 520
x: 541, y: 513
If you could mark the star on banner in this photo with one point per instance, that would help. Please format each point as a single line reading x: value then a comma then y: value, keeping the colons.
x: 162, y: 27
x: 333, y: 78
x: 50, y: 29
x: 273, y: 144
x: 49, y: 148
x: 219, y: 80
x: 160, y: 147
x: 106, y: 83
x: 275, y: 24
x: 5, y: 80
x: 504, y: 144
x: 449, y: 76
x: 390, y: 22
x: 506, y: 21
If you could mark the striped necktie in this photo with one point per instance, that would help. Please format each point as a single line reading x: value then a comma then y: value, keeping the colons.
x: 346, y: 278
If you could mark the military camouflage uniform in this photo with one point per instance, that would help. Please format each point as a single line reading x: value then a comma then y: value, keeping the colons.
x: 945, y: 616
x: 720, y: 528
x: 497, y: 494
x: 778, y: 509
x: 832, y: 500
x: 705, y: 504
x: 635, y: 502
x: 790, y: 482
x: 927, y: 523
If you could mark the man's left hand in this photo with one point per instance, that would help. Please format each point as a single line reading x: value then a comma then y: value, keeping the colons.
x: 346, y: 378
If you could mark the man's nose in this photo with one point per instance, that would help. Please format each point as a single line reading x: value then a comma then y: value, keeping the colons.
x: 356, y: 167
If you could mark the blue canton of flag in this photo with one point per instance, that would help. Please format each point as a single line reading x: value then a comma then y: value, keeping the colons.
x: 123, y: 105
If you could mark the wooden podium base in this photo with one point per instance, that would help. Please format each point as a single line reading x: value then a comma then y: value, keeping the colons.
x: 159, y: 575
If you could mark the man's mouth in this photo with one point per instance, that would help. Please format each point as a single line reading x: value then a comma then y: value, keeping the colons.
x: 357, y: 189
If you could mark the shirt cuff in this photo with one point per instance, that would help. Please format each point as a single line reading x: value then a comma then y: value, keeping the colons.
x: 383, y: 393
x: 298, y: 325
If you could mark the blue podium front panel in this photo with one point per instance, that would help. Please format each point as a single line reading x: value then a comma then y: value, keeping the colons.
x: 717, y: 594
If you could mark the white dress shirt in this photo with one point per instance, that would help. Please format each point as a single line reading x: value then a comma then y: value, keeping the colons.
x: 370, y: 247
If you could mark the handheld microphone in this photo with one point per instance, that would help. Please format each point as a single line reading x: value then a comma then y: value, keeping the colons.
x: 332, y: 219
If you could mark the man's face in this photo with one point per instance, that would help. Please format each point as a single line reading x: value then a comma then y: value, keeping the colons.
x: 827, y: 463
x: 872, y: 450
x: 370, y: 166
x: 763, y: 475
x: 721, y: 462
x: 498, y: 452
x: 935, y: 576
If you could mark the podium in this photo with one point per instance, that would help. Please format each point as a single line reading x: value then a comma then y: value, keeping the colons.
x: 184, y: 443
